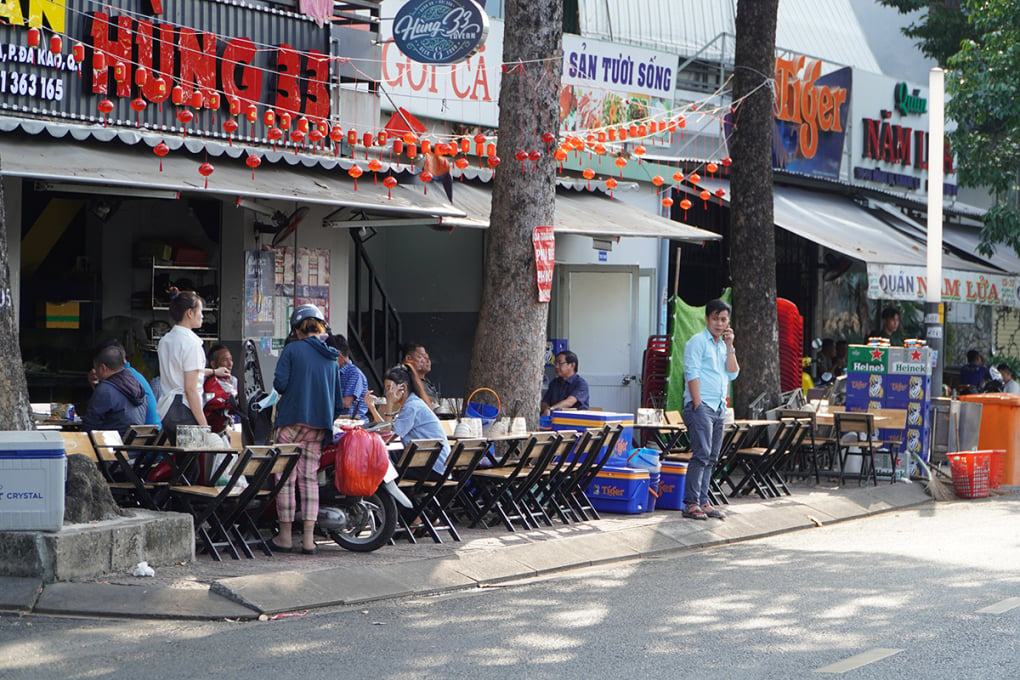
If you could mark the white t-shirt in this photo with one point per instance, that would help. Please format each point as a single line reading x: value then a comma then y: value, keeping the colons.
x: 1011, y: 387
x: 179, y: 351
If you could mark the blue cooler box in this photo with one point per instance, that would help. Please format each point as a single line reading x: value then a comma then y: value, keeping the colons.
x: 620, y: 489
x: 568, y: 419
x: 33, y: 469
x: 671, y: 486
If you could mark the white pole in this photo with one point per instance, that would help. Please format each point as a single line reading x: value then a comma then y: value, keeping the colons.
x: 933, y: 316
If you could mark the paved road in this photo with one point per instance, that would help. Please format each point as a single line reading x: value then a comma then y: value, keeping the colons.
x: 905, y: 588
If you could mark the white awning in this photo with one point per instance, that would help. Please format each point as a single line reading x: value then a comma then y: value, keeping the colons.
x: 584, y: 213
x: 841, y: 225
x: 136, y: 169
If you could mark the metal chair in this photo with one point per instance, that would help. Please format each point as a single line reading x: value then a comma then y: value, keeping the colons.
x: 862, y: 426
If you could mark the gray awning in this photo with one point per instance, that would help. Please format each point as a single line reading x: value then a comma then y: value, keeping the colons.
x: 841, y: 225
x: 136, y: 168
x: 584, y: 213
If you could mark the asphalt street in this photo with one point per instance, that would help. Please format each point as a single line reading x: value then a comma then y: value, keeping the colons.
x: 933, y: 592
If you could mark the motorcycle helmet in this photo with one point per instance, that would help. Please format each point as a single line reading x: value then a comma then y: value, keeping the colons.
x: 306, y: 312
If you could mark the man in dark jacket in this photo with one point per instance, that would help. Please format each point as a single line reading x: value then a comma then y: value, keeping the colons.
x: 119, y: 399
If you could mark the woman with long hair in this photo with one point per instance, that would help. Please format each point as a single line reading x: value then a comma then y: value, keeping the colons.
x: 408, y: 412
x: 182, y: 367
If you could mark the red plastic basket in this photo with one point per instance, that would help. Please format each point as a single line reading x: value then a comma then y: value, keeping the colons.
x: 971, y: 473
x: 997, y: 469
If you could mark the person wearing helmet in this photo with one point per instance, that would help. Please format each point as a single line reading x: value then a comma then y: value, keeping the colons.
x: 307, y: 378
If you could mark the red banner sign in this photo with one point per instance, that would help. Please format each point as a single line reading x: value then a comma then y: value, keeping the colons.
x: 545, y: 256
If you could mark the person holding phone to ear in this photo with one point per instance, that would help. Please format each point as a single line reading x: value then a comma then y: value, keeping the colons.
x: 710, y: 363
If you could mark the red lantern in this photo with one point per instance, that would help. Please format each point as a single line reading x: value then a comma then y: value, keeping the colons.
x: 355, y: 172
x: 141, y: 76
x: 610, y: 184
x: 398, y: 146
x: 34, y: 37
x: 678, y: 177
x: 196, y: 99
x: 621, y: 163
x: 389, y: 183
x: 461, y: 163
x: 284, y: 121
x: 78, y: 52
x: 120, y: 72
x: 480, y: 138
x: 685, y: 205
x: 639, y: 151
x: 98, y: 61
x: 412, y: 150
x: 727, y: 162
x: 623, y: 134
x: 105, y: 106
x: 658, y: 181
x: 138, y: 105
x: 315, y: 136
x: 694, y: 178
x: 235, y: 105
x: 297, y: 136
x: 275, y: 134
x: 366, y: 139
x: 721, y: 193
x: 205, y: 170
x: 522, y: 156
x: 336, y: 134
x: 302, y: 124
x: 612, y: 134
x: 55, y: 44
x: 323, y: 128
x: 177, y: 95
x: 160, y: 84
x: 588, y: 173
x: 560, y: 155
x: 185, y: 116
x: 599, y: 150
x: 253, y: 161
x: 161, y: 150
x: 712, y: 168
x: 490, y: 149
x: 534, y: 155
x: 252, y: 114
x: 230, y: 127
x: 465, y: 145
x: 548, y: 138
x: 642, y: 130
x: 212, y: 101
x: 410, y: 138
x: 493, y: 161
x: 381, y: 138
x: 375, y: 166
x: 705, y: 195
x: 352, y: 137
x: 667, y: 202
x: 425, y: 177
x: 426, y: 146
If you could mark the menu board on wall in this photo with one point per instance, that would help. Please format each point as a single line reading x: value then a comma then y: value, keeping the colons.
x: 301, y: 277
x: 259, y: 289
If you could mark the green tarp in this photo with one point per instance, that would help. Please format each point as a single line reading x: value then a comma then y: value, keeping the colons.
x: 687, y: 321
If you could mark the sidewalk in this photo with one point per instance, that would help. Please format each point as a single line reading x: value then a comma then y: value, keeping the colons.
x: 245, y: 589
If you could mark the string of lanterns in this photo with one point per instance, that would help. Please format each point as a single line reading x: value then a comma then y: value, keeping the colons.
x: 323, y: 136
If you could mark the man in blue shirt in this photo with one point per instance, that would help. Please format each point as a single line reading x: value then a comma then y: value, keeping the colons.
x: 567, y: 389
x: 710, y: 363
x: 353, y: 383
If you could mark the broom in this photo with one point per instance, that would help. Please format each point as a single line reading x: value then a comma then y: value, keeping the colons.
x: 935, y: 488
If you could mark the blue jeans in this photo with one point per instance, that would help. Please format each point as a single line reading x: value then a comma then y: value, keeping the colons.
x: 705, y: 431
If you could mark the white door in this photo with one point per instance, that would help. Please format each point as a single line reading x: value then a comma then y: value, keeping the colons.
x: 598, y: 308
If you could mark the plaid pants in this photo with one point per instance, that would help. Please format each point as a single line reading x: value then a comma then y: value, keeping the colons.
x: 304, y: 474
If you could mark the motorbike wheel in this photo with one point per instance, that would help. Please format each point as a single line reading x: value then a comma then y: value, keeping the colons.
x: 373, y: 520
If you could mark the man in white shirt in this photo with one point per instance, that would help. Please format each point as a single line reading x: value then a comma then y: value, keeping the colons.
x: 1009, y: 386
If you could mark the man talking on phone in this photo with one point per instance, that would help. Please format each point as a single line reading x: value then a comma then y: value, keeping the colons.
x: 710, y: 363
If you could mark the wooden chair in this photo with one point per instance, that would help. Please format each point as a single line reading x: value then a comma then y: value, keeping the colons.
x: 465, y: 455
x: 415, y: 465
x: 144, y: 434
x: 758, y: 463
x: 600, y: 450
x: 807, y: 459
x: 78, y: 442
x: 499, y: 490
x: 121, y: 473
x: 243, y: 521
x: 862, y: 426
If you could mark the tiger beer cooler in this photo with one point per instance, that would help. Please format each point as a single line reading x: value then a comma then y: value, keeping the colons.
x: 894, y: 378
x: 33, y: 468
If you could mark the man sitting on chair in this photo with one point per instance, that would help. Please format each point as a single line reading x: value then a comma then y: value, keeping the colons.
x: 567, y: 389
x: 119, y: 400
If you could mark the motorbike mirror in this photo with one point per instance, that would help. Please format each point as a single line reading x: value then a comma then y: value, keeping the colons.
x: 826, y: 377
x: 816, y: 343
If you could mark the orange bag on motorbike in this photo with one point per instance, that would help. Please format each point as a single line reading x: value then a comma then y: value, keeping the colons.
x: 361, y: 463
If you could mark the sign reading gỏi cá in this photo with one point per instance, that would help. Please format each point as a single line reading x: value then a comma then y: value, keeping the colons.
x: 440, y: 31
x: 906, y: 282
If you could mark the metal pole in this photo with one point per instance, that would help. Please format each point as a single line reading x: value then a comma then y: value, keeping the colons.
x: 933, y: 308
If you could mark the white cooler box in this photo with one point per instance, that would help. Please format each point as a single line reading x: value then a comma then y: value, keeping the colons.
x: 33, y: 468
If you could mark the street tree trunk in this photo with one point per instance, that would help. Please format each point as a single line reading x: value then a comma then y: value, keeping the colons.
x: 15, y: 410
x: 509, y: 342
x: 752, y: 230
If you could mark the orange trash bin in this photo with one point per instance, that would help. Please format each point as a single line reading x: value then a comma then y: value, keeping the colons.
x: 1000, y: 429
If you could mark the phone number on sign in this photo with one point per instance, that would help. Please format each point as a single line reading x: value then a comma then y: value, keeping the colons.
x: 31, y: 85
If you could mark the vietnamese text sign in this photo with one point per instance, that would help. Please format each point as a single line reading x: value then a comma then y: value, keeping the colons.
x: 545, y: 255
x: 905, y: 282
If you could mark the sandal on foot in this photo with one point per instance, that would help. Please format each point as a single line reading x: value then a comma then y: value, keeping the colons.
x: 694, y: 511
x: 712, y: 512
x: 309, y: 551
x: 279, y: 548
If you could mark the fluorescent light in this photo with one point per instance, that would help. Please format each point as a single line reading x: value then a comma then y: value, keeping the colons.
x: 106, y: 190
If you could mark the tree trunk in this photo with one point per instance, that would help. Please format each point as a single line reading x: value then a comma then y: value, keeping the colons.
x: 752, y: 231
x: 510, y: 339
x: 15, y: 410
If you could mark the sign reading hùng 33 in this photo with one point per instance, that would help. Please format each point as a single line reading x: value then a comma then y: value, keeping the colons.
x: 440, y: 31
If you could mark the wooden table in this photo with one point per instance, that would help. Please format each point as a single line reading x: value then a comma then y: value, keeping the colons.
x: 180, y: 461
x: 667, y: 436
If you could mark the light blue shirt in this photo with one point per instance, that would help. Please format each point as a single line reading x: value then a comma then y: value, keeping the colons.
x: 705, y: 360
x: 417, y: 421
